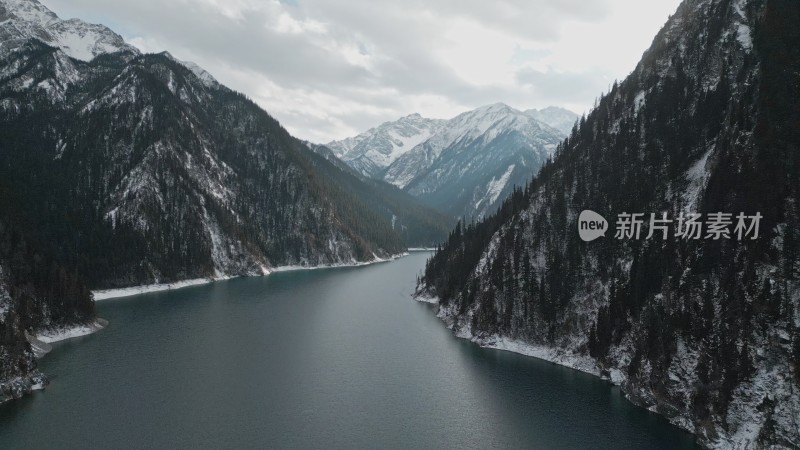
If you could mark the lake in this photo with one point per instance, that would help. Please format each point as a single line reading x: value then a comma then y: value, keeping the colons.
x: 330, y: 358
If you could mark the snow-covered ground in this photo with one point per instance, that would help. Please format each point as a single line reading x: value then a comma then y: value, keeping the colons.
x: 61, y: 334
x: 426, y: 299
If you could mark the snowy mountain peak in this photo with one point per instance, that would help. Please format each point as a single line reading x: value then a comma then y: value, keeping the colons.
x: 379, y: 152
x: 558, y: 118
x: 494, y: 107
x: 475, y: 159
x: 28, y: 10
x: 201, y: 73
x: 493, y: 112
x: 22, y: 20
x: 375, y: 149
x: 487, y: 122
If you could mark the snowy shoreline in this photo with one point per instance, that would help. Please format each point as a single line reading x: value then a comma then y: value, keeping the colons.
x: 62, y: 334
x: 377, y: 260
x: 550, y: 354
x: 566, y: 359
x: 105, y: 294
x: 40, y: 343
x: 34, y: 380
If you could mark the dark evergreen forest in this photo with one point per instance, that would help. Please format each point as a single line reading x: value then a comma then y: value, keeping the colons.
x: 725, y: 309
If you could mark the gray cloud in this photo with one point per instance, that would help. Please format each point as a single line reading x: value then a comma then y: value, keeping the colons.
x: 328, y: 69
x: 570, y: 87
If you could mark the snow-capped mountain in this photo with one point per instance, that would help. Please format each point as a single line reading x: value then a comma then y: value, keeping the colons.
x: 559, y: 118
x: 463, y: 166
x: 372, y: 151
x: 475, y: 159
x: 119, y: 168
x: 705, y: 330
x: 21, y: 20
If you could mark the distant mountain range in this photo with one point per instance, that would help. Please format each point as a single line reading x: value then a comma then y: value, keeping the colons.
x: 463, y: 166
x: 119, y: 168
x: 561, y: 119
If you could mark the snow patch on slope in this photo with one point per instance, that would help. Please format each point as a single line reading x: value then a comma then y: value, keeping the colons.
x: 743, y: 36
x: 201, y: 73
x: 5, y: 299
x: 638, y: 102
x: 494, y: 188
x: 697, y: 177
x: 206, y: 78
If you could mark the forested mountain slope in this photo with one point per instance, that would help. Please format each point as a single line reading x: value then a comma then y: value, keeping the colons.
x: 36, y: 293
x: 119, y: 168
x: 704, y: 331
x: 419, y: 225
x: 135, y: 168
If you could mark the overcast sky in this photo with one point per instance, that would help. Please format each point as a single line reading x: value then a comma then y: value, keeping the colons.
x: 328, y: 69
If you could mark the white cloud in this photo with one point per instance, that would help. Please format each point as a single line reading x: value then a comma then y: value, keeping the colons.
x: 331, y: 69
x: 477, y: 54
